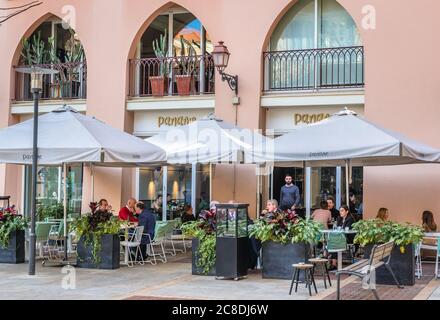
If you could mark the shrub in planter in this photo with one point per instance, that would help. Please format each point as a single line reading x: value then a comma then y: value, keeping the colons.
x: 204, y: 240
x: 285, y: 240
x: 371, y: 232
x: 98, y: 234
x: 12, y: 242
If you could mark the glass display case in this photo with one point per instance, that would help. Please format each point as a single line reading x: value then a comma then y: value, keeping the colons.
x: 232, y: 243
x: 232, y: 220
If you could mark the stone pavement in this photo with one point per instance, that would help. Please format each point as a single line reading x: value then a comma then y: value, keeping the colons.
x: 173, y: 280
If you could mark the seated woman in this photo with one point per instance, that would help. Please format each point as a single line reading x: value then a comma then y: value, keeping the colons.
x: 344, y: 221
x: 383, y: 214
x: 322, y: 215
x: 428, y: 225
x: 187, y: 214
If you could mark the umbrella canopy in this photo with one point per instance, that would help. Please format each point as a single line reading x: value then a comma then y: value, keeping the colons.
x: 67, y: 136
x: 208, y: 140
x: 346, y: 136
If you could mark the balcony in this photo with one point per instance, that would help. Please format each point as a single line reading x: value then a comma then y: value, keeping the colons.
x: 69, y: 83
x: 141, y: 70
x: 314, y: 69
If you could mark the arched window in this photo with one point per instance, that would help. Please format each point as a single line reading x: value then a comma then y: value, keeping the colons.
x: 56, y: 46
x: 316, y: 44
x: 176, y: 48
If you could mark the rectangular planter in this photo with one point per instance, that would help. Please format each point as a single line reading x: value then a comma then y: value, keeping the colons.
x: 196, y: 270
x: 402, y: 264
x: 232, y: 257
x: 14, y: 253
x: 278, y: 259
x: 110, y: 253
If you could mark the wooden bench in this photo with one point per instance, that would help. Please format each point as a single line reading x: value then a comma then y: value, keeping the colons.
x: 380, y: 255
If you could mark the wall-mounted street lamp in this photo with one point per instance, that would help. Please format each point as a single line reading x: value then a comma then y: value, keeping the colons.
x: 36, y: 88
x: 221, y: 59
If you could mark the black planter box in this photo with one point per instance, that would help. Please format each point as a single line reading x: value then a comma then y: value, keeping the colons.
x: 232, y: 257
x: 195, y: 269
x: 110, y: 253
x: 402, y: 264
x: 278, y: 259
x: 14, y: 253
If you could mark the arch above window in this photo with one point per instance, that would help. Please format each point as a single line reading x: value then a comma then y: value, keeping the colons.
x: 312, y: 24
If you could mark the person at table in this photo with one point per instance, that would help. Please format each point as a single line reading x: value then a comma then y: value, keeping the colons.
x: 157, y: 204
x: 187, y: 214
x: 128, y: 212
x: 428, y: 223
x: 383, y: 214
x: 345, y: 220
x: 429, y: 226
x: 332, y: 207
x: 271, y: 210
x: 289, y: 194
x: 147, y: 219
x: 322, y: 215
x: 104, y: 206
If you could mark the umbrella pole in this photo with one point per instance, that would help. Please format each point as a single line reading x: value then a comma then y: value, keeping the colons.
x: 65, y: 209
x: 308, y: 189
x: 210, y: 182
x: 93, y: 182
x: 347, y: 187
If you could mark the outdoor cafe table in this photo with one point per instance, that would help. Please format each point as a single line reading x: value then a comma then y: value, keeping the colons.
x: 339, y: 251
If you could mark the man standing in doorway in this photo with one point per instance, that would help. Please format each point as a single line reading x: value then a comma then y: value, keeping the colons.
x: 289, y: 194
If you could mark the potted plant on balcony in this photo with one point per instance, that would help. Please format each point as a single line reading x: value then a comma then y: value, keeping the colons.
x: 405, y: 236
x: 187, y: 65
x: 12, y: 238
x: 98, y: 245
x: 286, y: 240
x: 158, y: 82
x: 203, y: 242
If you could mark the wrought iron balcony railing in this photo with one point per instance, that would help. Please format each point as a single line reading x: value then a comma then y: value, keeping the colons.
x: 69, y: 83
x: 314, y: 69
x: 141, y: 70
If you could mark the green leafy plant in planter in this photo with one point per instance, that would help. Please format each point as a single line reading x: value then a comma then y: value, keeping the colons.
x: 204, y: 230
x: 50, y: 211
x: 378, y: 231
x: 10, y: 221
x: 285, y: 227
x: 92, y: 226
x: 406, y: 234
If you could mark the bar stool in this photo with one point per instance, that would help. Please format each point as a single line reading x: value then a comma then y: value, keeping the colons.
x: 308, y: 276
x: 323, y: 263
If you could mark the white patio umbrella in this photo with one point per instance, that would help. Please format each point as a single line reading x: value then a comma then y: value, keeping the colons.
x: 346, y: 139
x: 209, y: 141
x: 66, y: 136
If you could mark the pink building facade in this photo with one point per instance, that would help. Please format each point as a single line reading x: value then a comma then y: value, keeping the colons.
x: 297, y: 61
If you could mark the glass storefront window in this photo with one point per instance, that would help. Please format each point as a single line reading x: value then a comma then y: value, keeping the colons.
x: 179, y: 186
x: 50, y: 186
x: 323, y: 184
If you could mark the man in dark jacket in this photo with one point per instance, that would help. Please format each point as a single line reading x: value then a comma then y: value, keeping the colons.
x: 147, y: 219
x: 289, y: 194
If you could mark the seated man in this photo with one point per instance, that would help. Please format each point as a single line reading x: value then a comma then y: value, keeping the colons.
x: 147, y: 219
x: 127, y: 213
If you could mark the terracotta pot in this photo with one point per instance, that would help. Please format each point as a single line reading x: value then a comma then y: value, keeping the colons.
x: 183, y: 84
x: 157, y: 86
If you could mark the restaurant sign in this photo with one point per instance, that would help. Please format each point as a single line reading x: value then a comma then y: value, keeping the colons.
x: 171, y: 121
x: 309, y: 118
